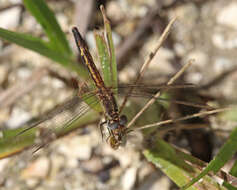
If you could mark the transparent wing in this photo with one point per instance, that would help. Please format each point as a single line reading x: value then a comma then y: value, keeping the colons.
x: 148, y: 91
x: 69, y: 105
x: 152, y: 95
x: 60, y: 128
x: 54, y: 121
x: 73, y: 108
x: 141, y: 86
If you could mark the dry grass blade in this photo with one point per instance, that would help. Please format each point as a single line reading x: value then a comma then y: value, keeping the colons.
x: 84, y: 9
x: 157, y: 95
x: 201, y: 114
x: 146, y: 64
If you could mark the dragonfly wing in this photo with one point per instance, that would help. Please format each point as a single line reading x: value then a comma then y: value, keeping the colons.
x: 60, y: 129
x: 149, y: 96
x: 149, y: 91
x: 68, y: 105
x: 58, y: 118
x: 145, y: 87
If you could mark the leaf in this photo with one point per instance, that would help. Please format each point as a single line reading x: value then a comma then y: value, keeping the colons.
x: 225, y: 154
x: 104, y: 58
x: 39, y: 46
x: 46, y: 18
x: 233, y: 170
x: 229, y: 186
x: 9, y: 145
x: 12, y: 143
x: 168, y: 159
x: 110, y: 45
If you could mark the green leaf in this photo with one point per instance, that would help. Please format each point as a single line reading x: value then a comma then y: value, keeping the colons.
x: 13, y: 143
x: 173, y: 164
x: 47, y: 20
x: 10, y: 145
x: 164, y: 157
x: 229, y: 186
x: 225, y: 154
x: 104, y: 59
x: 39, y: 46
x: 233, y: 170
x: 110, y: 45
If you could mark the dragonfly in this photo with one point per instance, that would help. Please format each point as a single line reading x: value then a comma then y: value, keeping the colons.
x: 115, y: 122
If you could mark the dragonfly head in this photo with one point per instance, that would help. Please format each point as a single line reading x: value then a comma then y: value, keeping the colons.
x: 117, y: 140
x: 118, y: 129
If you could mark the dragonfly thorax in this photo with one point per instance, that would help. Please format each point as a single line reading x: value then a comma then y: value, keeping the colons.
x: 117, y: 123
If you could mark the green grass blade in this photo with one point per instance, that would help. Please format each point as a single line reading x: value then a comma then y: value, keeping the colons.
x: 39, y: 46
x: 11, y: 144
x: 225, y: 154
x: 104, y: 58
x: 46, y: 18
x: 166, y: 158
x: 233, y: 170
x: 229, y: 186
x: 108, y: 35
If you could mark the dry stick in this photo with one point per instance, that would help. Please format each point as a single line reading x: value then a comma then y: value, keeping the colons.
x: 84, y: 9
x: 151, y: 56
x: 184, y: 118
x: 157, y: 95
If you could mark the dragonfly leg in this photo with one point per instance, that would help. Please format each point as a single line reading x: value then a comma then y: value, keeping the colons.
x: 101, y: 125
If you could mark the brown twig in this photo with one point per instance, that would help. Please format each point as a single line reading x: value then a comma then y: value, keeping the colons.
x: 146, y: 64
x: 83, y: 14
x: 184, y: 118
x: 157, y: 95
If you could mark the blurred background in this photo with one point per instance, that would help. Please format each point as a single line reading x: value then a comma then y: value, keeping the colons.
x: 206, y: 31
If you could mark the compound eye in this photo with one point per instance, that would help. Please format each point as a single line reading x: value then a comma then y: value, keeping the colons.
x: 123, y: 120
x: 113, y: 126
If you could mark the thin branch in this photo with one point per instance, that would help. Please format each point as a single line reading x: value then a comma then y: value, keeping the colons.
x: 151, y: 56
x: 201, y: 114
x: 83, y: 14
x: 157, y: 95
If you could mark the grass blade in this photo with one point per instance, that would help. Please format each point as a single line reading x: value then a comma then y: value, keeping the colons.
x: 39, y: 46
x: 229, y: 186
x: 8, y: 148
x: 225, y: 153
x: 165, y: 157
x: 108, y: 35
x: 46, y: 18
x: 104, y: 58
x: 233, y: 170
x: 11, y: 144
